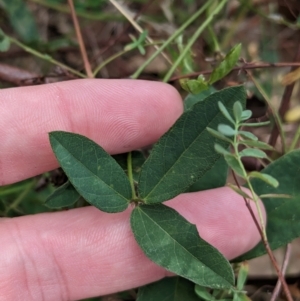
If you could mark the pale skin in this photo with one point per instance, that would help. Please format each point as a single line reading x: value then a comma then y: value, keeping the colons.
x: 84, y: 252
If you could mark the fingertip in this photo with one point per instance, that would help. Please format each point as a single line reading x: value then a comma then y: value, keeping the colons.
x: 120, y: 115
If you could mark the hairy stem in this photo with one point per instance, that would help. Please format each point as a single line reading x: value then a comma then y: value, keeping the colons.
x: 267, y: 246
x: 130, y: 175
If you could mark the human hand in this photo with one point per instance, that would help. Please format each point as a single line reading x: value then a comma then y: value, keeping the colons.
x: 84, y: 252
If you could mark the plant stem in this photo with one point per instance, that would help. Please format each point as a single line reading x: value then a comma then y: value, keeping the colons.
x: 119, y: 7
x: 130, y: 175
x: 285, y: 100
x: 193, y: 39
x: 216, y: 46
x: 86, y: 62
x: 245, y: 176
x: 171, y: 38
x: 267, y: 246
x: 295, y: 139
x: 114, y: 56
x: 45, y: 57
x: 274, y: 112
x: 20, y: 198
x: 286, y: 259
x: 245, y: 66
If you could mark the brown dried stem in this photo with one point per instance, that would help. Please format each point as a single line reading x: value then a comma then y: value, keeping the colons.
x: 266, y: 245
x: 286, y: 260
x: 285, y: 101
x: 86, y: 62
x: 245, y: 66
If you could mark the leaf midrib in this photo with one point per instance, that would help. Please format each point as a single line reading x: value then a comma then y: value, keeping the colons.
x: 162, y: 178
x: 93, y: 174
x: 181, y: 245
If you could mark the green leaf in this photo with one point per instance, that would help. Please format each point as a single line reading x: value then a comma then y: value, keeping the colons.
x: 274, y: 195
x: 214, y: 178
x: 226, y: 130
x: 283, y: 213
x: 256, y: 124
x: 240, y: 191
x: 4, y: 42
x: 194, y: 86
x: 237, y: 111
x: 252, y: 152
x: 221, y: 150
x: 92, y: 171
x: 173, y: 243
x: 234, y: 165
x: 218, y: 135
x: 264, y: 177
x: 246, y: 114
x: 248, y: 135
x: 168, y: 289
x: 64, y: 196
x: 226, y: 65
x: 225, y: 112
x: 191, y: 99
x: 258, y: 144
x: 21, y: 19
x: 186, y: 152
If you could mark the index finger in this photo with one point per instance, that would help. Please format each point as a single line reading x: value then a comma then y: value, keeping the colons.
x: 120, y: 115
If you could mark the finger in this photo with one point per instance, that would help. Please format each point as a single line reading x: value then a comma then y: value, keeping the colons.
x: 120, y: 115
x: 84, y: 252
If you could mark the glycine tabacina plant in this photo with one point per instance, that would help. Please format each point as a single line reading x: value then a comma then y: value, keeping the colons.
x: 193, y: 155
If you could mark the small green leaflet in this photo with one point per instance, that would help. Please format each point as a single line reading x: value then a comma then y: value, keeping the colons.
x: 186, y: 152
x: 283, y: 213
x: 173, y: 243
x: 92, y: 171
x: 168, y: 289
x: 264, y: 177
x: 252, y: 152
x: 64, y: 196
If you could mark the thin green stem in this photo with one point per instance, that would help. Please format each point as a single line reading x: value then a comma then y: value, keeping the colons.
x: 172, y: 38
x: 216, y: 46
x: 245, y: 176
x: 295, y: 140
x: 193, y: 39
x: 20, y: 198
x: 45, y: 57
x: 130, y: 175
x: 116, y: 55
x: 274, y: 112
